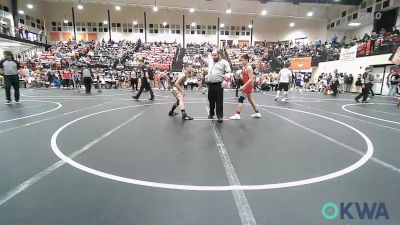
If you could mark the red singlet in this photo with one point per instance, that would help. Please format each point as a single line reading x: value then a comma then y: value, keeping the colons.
x: 245, y: 78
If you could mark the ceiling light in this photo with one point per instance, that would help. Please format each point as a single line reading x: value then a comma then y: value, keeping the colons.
x: 191, y: 10
x: 222, y: 25
x: 30, y: 6
x: 65, y: 21
x: 228, y: 11
x: 250, y: 26
x: 21, y: 12
x: 337, y: 0
x: 310, y: 14
x: 117, y: 7
x: 155, y: 8
x: 105, y: 22
x: 264, y: 12
x: 135, y: 22
x: 291, y: 24
x: 354, y: 24
x: 80, y: 6
x: 193, y: 24
x: 164, y: 24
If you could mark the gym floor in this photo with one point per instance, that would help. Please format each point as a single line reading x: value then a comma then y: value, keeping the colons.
x: 68, y: 158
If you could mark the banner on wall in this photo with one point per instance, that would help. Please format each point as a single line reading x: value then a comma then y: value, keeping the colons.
x: 81, y: 37
x: 395, y: 58
x: 347, y: 54
x: 66, y: 36
x: 54, y: 36
x: 92, y: 36
x: 303, y: 63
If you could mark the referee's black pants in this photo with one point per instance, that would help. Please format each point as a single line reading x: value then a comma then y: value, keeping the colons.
x: 87, y: 81
x: 216, y: 99
x: 145, y: 85
x: 11, y: 81
x: 365, y: 92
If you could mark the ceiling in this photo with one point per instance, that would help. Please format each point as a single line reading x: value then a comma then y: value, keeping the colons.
x: 333, y: 2
x: 275, y: 8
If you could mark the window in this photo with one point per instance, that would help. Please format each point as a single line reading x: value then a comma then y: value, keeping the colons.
x: 332, y: 25
x: 56, y: 26
x: 81, y: 26
x: 338, y: 23
x: 369, y: 10
x: 328, y: 26
x: 355, y: 16
x: 343, y: 13
x: 67, y: 26
x: 91, y: 27
x: 385, y: 3
x: 363, y: 5
x: 116, y: 27
x: 153, y: 28
x: 349, y: 18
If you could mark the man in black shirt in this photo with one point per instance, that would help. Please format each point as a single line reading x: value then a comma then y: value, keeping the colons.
x: 145, y: 81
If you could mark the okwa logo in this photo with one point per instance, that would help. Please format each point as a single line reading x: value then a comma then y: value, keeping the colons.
x: 355, y: 210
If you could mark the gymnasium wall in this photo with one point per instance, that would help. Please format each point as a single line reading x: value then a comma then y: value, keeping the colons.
x: 354, y: 67
x: 265, y: 28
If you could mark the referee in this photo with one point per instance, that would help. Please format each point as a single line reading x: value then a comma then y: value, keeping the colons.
x: 11, y: 75
x: 217, y: 70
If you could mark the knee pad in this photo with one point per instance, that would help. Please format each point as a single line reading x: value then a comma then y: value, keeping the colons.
x: 241, y: 99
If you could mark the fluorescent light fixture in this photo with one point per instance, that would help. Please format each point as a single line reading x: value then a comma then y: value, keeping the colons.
x: 264, y: 12
x: 80, y: 7
x: 21, y: 12
x: 310, y: 14
x: 65, y: 21
x: 155, y: 8
x: 135, y: 22
x: 222, y: 25
x: 228, y: 11
x: 291, y: 24
x: 337, y: 0
x: 164, y: 24
x: 191, y: 10
x: 117, y: 7
x: 250, y: 26
x: 193, y: 24
x: 354, y: 24
x: 105, y: 22
x: 30, y: 6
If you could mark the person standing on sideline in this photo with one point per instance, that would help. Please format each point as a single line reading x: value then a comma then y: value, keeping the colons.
x: 145, y: 81
x: 371, y: 79
x: 87, y: 79
x: 246, y: 89
x: 134, y: 80
x: 306, y: 80
x: 179, y: 94
x: 365, y: 86
x: 284, y: 79
x: 77, y: 81
x: 218, y: 68
x: 66, y: 76
x: 348, y: 82
x: 11, y: 75
x: 392, y: 81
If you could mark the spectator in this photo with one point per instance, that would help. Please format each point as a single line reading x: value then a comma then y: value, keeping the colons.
x: 393, y: 80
